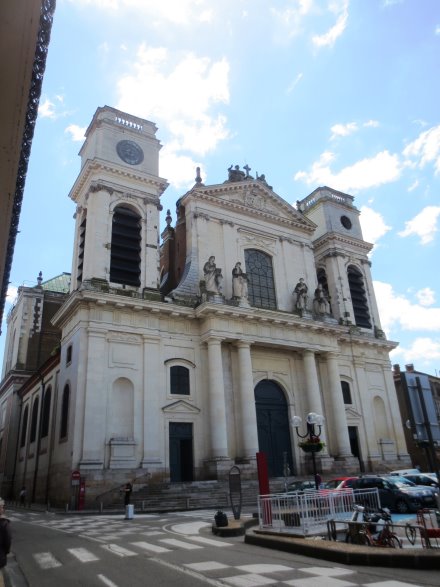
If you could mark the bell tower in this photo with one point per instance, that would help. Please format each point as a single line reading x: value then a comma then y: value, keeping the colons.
x: 341, y: 257
x: 117, y: 195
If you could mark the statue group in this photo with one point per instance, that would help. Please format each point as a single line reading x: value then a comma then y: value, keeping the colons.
x: 321, y: 305
x: 214, y: 278
x: 214, y: 285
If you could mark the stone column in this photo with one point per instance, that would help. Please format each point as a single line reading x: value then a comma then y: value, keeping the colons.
x: 247, y: 401
x: 152, y: 427
x: 338, y: 407
x: 217, y: 409
x: 312, y: 383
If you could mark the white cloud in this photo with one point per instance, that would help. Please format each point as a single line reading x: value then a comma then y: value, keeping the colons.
x: 343, y: 130
x: 424, y: 225
x: 181, y: 168
x: 200, y: 84
x: 46, y: 109
x: 366, y: 173
x: 329, y: 38
x: 77, y: 132
x: 294, y: 83
x: 397, y: 311
x: 291, y: 18
x: 422, y: 351
x: 437, y: 30
x: 373, y: 225
x: 425, y: 149
x: 426, y: 296
x: 175, y: 11
x: 371, y: 123
x: 414, y: 185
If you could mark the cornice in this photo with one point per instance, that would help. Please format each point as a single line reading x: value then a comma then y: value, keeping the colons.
x: 90, y: 168
x: 212, y: 194
x: 332, y: 240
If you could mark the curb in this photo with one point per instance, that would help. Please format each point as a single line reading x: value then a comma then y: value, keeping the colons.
x: 234, y: 527
x: 347, y: 554
x: 12, y: 574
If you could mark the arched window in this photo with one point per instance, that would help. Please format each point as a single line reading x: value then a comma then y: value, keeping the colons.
x: 179, y: 380
x: 24, y: 426
x: 125, y: 258
x: 34, y: 421
x: 261, y: 285
x: 358, y: 297
x: 46, y: 413
x: 65, y: 412
x: 346, y: 393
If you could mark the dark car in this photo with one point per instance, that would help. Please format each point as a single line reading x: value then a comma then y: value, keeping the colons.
x: 295, y: 486
x: 399, y: 495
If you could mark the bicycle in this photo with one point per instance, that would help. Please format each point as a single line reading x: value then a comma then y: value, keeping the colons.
x: 370, y: 535
x: 411, y: 533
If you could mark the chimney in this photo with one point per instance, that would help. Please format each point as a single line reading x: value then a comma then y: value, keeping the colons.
x: 410, y: 368
x: 396, y: 368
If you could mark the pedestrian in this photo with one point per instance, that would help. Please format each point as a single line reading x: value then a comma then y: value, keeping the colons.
x: 23, y: 496
x: 318, y: 481
x: 5, y: 535
x: 127, y: 493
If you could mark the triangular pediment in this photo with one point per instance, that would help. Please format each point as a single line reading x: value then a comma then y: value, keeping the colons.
x: 252, y: 197
x: 180, y: 407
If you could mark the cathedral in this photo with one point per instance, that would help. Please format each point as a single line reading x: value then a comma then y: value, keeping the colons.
x: 179, y: 353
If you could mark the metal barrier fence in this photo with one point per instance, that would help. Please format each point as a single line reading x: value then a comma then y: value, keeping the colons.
x: 307, y: 512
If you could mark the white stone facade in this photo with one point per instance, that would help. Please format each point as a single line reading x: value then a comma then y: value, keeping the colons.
x: 126, y: 415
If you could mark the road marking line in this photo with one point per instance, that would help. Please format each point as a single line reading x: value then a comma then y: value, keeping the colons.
x: 180, y: 544
x: 209, y: 541
x: 206, y: 566
x: 150, y: 547
x: 83, y: 555
x: 119, y: 550
x: 46, y: 560
x: 250, y: 580
x: 106, y: 581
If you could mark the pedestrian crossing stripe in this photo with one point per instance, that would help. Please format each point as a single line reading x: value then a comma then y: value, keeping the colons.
x: 119, y: 550
x: 46, y: 560
x: 150, y: 547
x: 180, y: 544
x: 83, y: 555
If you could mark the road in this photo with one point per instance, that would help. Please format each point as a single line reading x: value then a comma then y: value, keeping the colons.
x: 175, y: 549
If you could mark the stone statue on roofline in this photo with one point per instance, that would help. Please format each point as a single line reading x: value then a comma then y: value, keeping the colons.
x: 321, y: 305
x: 213, y: 276
x: 300, y: 293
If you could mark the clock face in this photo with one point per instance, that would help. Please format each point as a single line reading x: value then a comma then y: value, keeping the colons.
x: 130, y: 152
x: 346, y: 222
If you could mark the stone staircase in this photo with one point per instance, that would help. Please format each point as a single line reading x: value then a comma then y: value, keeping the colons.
x: 189, y: 496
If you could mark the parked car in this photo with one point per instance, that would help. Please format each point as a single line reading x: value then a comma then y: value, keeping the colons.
x: 405, y: 472
x: 339, y: 483
x: 295, y: 486
x: 423, y: 479
x: 396, y: 493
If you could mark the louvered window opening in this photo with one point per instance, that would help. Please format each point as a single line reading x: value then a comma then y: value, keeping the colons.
x: 261, y: 285
x: 358, y: 298
x: 125, y: 258
x: 81, y: 244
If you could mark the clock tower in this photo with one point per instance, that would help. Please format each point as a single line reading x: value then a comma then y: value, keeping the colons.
x: 117, y: 194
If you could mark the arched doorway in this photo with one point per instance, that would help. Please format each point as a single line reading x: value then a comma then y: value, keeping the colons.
x: 273, y: 427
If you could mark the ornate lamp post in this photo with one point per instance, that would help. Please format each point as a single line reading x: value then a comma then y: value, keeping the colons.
x: 313, y: 443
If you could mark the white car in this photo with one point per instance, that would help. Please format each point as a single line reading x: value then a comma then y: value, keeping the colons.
x: 405, y: 472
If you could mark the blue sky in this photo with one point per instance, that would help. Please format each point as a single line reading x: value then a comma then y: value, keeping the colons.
x: 343, y: 93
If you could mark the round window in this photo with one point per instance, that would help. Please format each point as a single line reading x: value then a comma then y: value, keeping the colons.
x: 346, y: 222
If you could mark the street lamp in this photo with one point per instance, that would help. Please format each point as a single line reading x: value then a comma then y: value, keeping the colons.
x: 313, y: 444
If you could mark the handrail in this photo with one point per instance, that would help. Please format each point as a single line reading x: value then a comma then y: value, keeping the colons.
x: 133, y: 481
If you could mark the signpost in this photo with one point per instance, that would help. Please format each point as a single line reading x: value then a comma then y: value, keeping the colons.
x: 235, y: 491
